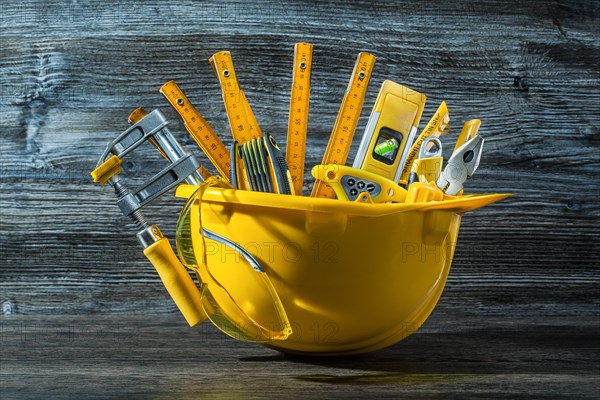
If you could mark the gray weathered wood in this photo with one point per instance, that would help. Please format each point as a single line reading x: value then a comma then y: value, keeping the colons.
x: 453, y: 356
x: 70, y: 73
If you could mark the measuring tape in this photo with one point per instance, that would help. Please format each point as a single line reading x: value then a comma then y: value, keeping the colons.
x: 347, y: 119
x: 139, y: 113
x: 298, y: 119
x: 198, y: 128
x: 437, y: 125
x: 241, y: 119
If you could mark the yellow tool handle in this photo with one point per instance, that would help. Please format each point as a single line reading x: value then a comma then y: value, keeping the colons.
x: 205, y: 174
x: 428, y: 169
x: 421, y: 192
x: 112, y: 166
x: 107, y: 170
x: 176, y: 280
x: 298, y: 118
x: 242, y: 122
x: 347, y: 119
x: 136, y: 115
x: 469, y: 131
x: 198, y: 128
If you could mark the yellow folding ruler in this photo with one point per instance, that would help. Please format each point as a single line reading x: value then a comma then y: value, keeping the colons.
x: 347, y: 119
x: 139, y: 113
x: 198, y: 128
x: 298, y: 119
x: 241, y: 119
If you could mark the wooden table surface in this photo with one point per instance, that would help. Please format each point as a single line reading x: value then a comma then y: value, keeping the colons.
x: 83, y: 312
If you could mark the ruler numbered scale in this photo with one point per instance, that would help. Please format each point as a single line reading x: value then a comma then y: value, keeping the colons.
x: 242, y: 122
x: 298, y: 117
x: 198, y: 128
x: 244, y: 126
x: 347, y: 119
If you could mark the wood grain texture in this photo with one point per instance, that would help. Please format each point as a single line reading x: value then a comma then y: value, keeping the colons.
x: 452, y: 356
x: 71, y: 72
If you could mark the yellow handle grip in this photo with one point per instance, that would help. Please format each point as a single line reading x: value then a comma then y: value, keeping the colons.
x: 177, y: 281
x: 107, y: 170
x: 420, y: 192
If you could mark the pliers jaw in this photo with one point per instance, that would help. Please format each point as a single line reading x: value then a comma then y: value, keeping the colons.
x: 462, y: 165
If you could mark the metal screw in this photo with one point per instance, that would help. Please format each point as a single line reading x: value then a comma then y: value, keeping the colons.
x: 361, y: 75
x: 137, y: 217
x: 302, y: 65
x: 180, y: 102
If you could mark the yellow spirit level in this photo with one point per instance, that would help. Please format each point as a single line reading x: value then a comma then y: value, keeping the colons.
x: 249, y: 247
x: 390, y: 131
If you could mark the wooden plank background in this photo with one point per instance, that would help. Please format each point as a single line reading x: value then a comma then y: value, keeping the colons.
x: 70, y: 73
